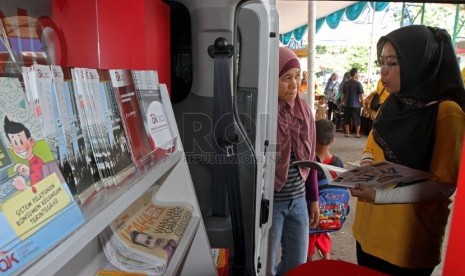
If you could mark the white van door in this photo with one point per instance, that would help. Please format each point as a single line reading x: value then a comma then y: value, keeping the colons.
x: 239, y: 222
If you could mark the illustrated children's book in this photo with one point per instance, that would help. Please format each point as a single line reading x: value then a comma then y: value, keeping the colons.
x: 145, y: 236
x: 382, y: 175
x: 38, y: 80
x: 37, y: 210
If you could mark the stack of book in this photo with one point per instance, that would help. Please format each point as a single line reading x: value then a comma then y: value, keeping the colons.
x: 145, y: 236
x: 37, y: 209
x: 102, y: 125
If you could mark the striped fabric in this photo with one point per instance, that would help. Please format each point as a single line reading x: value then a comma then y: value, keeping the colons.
x: 294, y: 187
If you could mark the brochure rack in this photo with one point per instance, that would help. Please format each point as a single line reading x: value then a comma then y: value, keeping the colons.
x: 89, y: 31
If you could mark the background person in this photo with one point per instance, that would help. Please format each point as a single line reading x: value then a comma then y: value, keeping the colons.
x: 304, y: 83
x: 421, y: 125
x: 331, y: 92
x: 295, y: 141
x: 338, y: 114
x: 325, y: 132
x: 352, y: 101
x: 321, y: 109
x: 371, y: 105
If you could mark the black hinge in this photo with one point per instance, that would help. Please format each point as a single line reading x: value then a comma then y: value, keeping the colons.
x: 264, y: 211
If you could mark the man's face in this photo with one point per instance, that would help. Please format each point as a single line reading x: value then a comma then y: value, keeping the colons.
x: 150, y: 242
x: 21, y: 145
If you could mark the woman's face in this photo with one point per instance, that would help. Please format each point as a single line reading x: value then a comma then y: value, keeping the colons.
x: 289, y: 83
x: 390, y: 71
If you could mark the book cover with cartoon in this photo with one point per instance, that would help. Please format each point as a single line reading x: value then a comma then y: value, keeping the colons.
x: 36, y: 207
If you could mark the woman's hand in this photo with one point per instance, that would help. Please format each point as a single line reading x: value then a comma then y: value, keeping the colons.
x: 363, y: 192
x: 313, y: 214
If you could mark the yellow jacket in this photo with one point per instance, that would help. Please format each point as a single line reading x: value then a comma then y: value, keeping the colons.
x: 411, y: 235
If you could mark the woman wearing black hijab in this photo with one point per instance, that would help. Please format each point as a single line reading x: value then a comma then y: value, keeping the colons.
x: 421, y: 125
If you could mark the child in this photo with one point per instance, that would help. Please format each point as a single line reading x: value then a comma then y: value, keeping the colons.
x: 322, y: 108
x: 325, y: 131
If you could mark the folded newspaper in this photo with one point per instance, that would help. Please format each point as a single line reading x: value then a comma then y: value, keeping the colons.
x: 145, y: 236
x: 382, y: 175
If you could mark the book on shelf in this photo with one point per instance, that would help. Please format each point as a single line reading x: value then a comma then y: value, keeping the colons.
x: 153, y: 111
x: 81, y: 159
x: 37, y: 209
x: 97, y: 115
x: 128, y: 105
x: 145, y: 236
x: 84, y: 107
x: 49, y: 101
x: 112, y: 125
x: 381, y: 175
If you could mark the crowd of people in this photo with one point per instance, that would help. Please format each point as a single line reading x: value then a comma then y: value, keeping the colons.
x: 418, y: 121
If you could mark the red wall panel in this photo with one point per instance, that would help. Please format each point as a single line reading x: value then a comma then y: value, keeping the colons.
x: 78, y: 21
x: 116, y: 34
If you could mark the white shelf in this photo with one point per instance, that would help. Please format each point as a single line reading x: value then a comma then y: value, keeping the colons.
x: 100, y: 212
x: 183, y: 247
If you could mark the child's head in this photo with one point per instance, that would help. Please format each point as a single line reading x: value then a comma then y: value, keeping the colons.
x: 325, y: 131
x: 322, y: 99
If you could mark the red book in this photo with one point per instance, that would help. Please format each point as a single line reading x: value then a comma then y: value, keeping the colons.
x: 128, y: 105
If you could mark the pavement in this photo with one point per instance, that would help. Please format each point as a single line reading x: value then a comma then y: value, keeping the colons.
x: 349, y: 149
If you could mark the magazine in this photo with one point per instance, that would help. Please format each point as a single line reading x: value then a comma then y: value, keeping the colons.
x: 38, y: 79
x: 382, y: 175
x: 112, y: 127
x: 89, y: 127
x: 82, y: 159
x: 153, y: 112
x: 37, y: 209
x: 84, y: 174
x: 145, y: 236
x: 128, y: 105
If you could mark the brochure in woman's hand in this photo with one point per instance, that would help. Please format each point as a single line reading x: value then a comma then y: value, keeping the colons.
x: 380, y: 175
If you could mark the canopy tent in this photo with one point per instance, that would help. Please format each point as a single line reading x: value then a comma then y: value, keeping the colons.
x: 294, y: 14
x: 332, y: 12
x: 307, y: 13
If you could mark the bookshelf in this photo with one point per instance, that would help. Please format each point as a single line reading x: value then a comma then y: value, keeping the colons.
x: 90, y: 30
x: 81, y: 253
